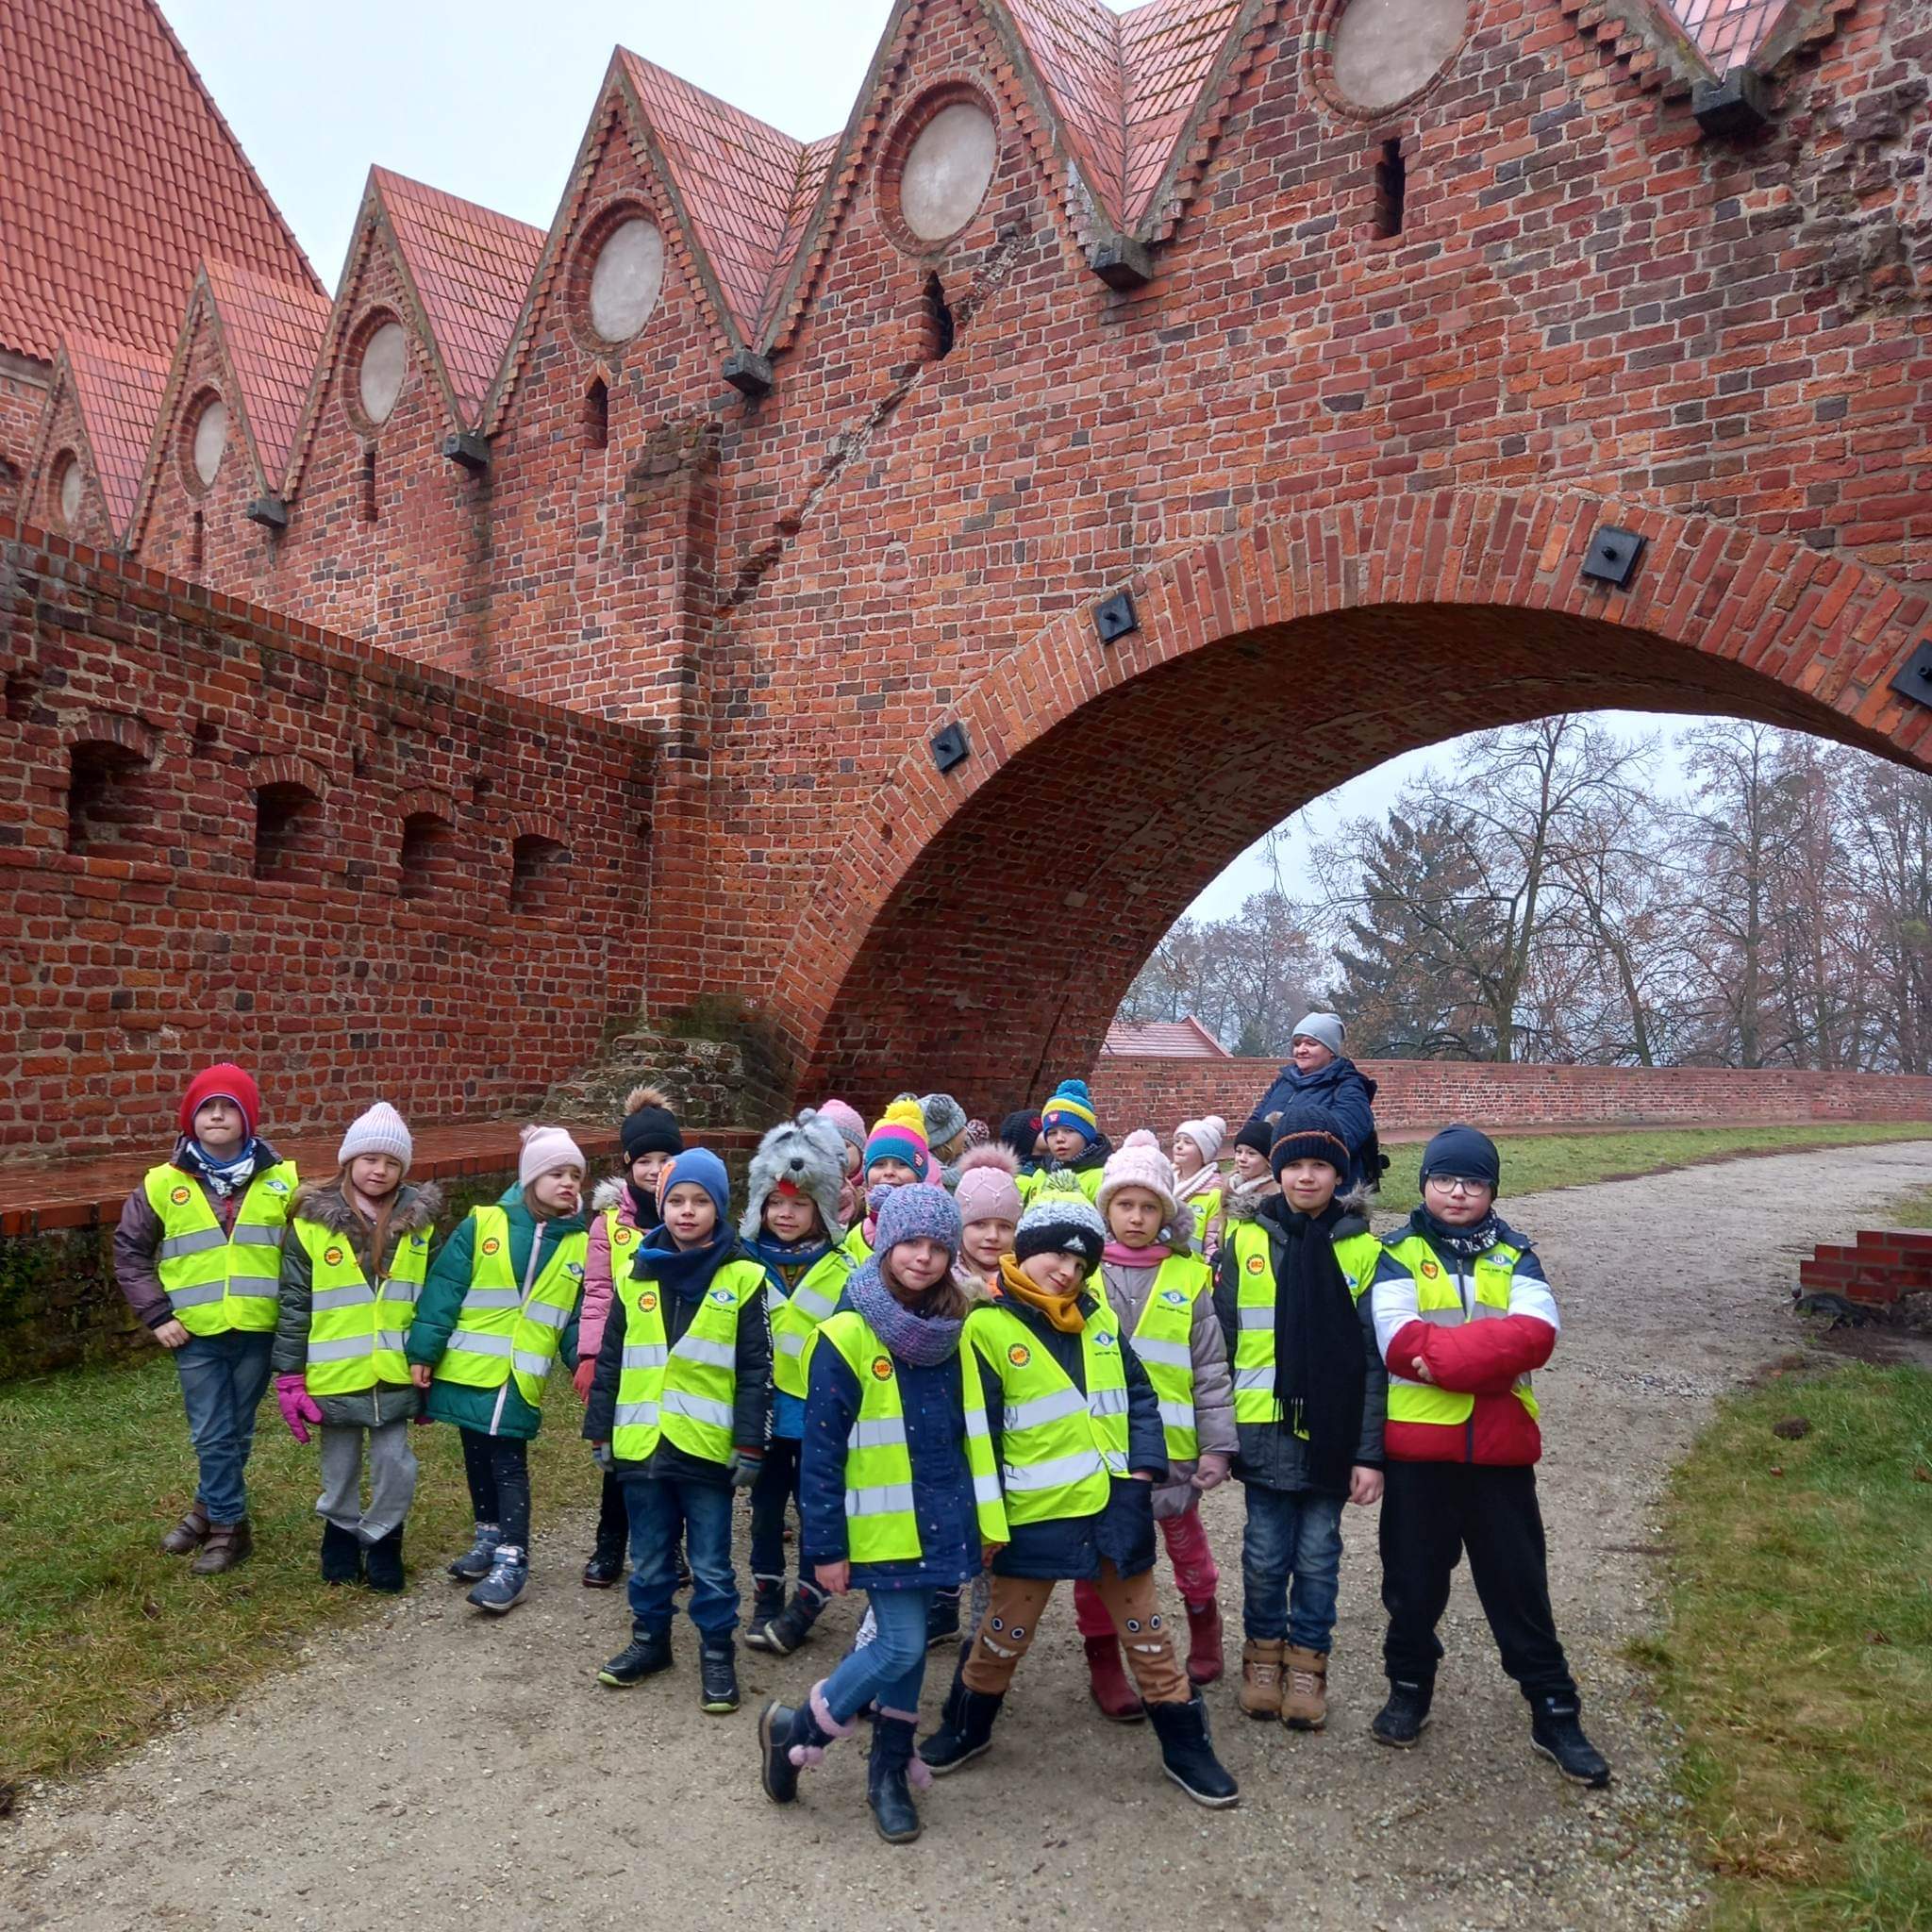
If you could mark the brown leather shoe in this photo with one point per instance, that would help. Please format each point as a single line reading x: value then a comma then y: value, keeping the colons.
x: 188, y: 1535
x: 228, y: 1544
x: 1305, y: 1703
x: 1261, y: 1692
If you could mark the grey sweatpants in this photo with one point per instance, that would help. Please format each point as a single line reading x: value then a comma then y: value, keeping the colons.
x: 391, y: 1478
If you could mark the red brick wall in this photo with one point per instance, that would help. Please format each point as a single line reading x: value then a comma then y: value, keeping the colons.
x: 157, y: 948
x: 21, y: 399
x: 1132, y: 1092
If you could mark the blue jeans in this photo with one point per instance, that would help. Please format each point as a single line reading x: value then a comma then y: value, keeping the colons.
x: 224, y: 1379
x: 1292, y: 1536
x: 891, y: 1667
x: 662, y: 1511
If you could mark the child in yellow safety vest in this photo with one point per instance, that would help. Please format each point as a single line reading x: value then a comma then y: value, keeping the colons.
x: 499, y: 1307
x: 897, y: 1495
x: 1289, y: 1289
x: 352, y: 1270
x: 896, y: 1155
x: 1162, y: 1293
x: 682, y: 1399
x: 1198, y: 1180
x: 1080, y: 1443
x: 1075, y: 1147
x: 198, y: 1255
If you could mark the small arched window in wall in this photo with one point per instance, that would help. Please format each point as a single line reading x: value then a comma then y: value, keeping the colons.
x: 597, y: 415
x: 538, y: 885
x: 288, y: 830
x: 111, y: 807
x: 428, y: 856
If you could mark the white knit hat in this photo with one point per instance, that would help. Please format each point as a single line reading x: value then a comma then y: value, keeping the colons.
x: 1206, y: 1133
x: 1137, y: 1162
x: 379, y: 1131
x: 546, y: 1148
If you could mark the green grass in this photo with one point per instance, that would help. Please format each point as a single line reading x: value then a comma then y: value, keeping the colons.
x: 1534, y: 1161
x: 106, y: 1638
x: 1913, y: 1210
x: 1799, y: 1657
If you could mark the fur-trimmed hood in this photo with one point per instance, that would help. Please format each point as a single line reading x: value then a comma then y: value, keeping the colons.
x: 607, y: 1193
x: 322, y: 1202
x: 810, y: 1152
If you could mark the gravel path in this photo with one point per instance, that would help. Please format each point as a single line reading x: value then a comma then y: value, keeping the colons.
x: 438, y: 1766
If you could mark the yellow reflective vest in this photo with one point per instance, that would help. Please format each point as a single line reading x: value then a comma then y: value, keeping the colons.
x: 1163, y: 1340
x: 798, y: 1315
x: 684, y: 1394
x: 1057, y: 1448
x: 1254, y: 1343
x: 881, y: 1519
x: 216, y: 1279
x: 1089, y: 1180
x: 356, y: 1332
x: 1438, y: 1300
x: 500, y: 1331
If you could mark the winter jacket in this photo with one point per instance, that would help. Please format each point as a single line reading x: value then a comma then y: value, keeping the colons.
x: 1067, y: 1547
x: 942, y: 1482
x: 324, y: 1204
x: 1347, y: 1093
x: 1483, y: 1360
x: 1087, y: 1168
x: 597, y: 1289
x: 1272, y: 1454
x: 138, y: 1235
x: 1128, y: 1289
x: 502, y: 1410
x: 751, y: 1390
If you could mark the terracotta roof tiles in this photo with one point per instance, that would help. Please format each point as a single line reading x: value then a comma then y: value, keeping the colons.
x: 272, y: 330
x: 1167, y: 1040
x: 1727, y: 33
x: 117, y: 175
x: 1168, y: 50
x: 1076, y: 49
x: 119, y: 391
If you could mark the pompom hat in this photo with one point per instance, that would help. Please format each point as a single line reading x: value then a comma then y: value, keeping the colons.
x: 649, y: 1126
x: 1072, y: 1106
x: 1207, y: 1132
x: 1137, y: 1162
x: 543, y: 1149
x: 988, y: 1188
x: 900, y: 1135
x: 921, y: 1212
x: 379, y: 1131
x: 1060, y: 1221
x: 846, y: 1119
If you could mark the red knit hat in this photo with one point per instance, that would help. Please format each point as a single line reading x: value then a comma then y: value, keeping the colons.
x: 224, y: 1081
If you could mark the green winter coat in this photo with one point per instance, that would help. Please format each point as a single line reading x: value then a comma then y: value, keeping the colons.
x: 502, y: 1410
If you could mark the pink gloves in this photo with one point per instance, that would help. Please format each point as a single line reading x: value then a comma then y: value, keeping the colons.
x: 298, y: 1406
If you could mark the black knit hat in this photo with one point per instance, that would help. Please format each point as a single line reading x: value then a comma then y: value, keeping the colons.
x: 1258, y: 1136
x: 1307, y: 1133
x: 649, y: 1126
x: 1060, y: 1220
x: 1463, y: 1152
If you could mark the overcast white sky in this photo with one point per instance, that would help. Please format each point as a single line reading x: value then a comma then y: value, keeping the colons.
x: 488, y: 99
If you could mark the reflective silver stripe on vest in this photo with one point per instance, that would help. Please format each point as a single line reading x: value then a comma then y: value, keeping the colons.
x: 680, y: 1402
x: 343, y: 1351
x: 636, y: 1415
x: 1170, y: 1354
x: 986, y: 1488
x: 644, y: 1355
x: 714, y: 1354
x: 887, y: 1433
x: 473, y: 1344
x: 481, y: 1300
x: 1252, y: 1317
x: 789, y: 1343
x: 194, y: 1297
x: 395, y: 1291
x: 893, y: 1499
x: 547, y: 1314
x: 532, y: 1364
x: 1045, y: 1409
x: 1107, y: 1402
x: 817, y: 1306
x: 350, y: 1297
x: 1116, y: 1461
x: 1054, y: 1475
x: 1255, y: 1379
x: 390, y: 1339
x: 252, y: 1234
x: 1177, y: 1415
x: 199, y: 1242
x: 1443, y: 1318
x: 255, y: 1286
x: 774, y: 1298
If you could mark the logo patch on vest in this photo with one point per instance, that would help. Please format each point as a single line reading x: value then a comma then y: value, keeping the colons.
x: 1256, y: 1265
x: 647, y: 1301
x: 1019, y: 1355
x: 882, y: 1368
x: 275, y: 1186
x: 180, y: 1197
x: 1102, y: 1337
x: 624, y: 1235
x: 333, y: 1257
x: 492, y: 1245
x: 723, y: 1297
x: 1430, y: 1269
x: 575, y: 1270
x: 419, y: 1241
x: 1173, y: 1298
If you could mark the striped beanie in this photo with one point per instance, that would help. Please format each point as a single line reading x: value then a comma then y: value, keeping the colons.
x: 1060, y: 1220
x: 899, y: 1135
x: 1072, y: 1106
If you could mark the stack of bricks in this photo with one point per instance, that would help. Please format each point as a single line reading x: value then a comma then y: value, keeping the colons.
x: 1882, y: 1266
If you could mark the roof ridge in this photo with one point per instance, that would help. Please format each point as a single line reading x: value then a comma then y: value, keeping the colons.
x: 412, y: 186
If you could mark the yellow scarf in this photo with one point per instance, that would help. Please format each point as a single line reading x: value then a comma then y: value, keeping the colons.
x: 1062, y: 1311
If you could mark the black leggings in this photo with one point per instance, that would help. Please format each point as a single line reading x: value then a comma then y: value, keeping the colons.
x: 498, y: 1468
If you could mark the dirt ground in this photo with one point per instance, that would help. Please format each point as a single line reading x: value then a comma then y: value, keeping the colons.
x: 442, y: 1769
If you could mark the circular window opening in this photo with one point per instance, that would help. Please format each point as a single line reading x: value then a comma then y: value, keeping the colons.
x: 626, y: 279
x: 1383, y: 51
x: 948, y: 170
x: 210, y: 438
x: 379, y: 375
x: 69, y: 484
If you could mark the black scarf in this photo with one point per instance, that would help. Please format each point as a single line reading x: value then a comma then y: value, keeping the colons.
x: 686, y: 1271
x: 643, y: 1205
x: 1320, y: 1358
x: 1467, y: 1242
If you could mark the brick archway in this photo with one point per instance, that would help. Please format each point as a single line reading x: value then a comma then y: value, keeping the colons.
x: 981, y: 932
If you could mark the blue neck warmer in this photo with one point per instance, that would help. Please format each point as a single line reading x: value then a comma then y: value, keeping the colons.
x: 224, y: 1176
x: 793, y: 1261
x: 686, y: 1271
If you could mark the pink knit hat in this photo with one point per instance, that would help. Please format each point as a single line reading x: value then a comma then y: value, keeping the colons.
x: 987, y: 1190
x: 847, y: 1120
x: 1206, y: 1133
x: 1137, y: 1162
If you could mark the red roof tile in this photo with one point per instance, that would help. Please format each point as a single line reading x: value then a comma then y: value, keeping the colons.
x: 814, y: 164
x: 1727, y: 33
x: 119, y: 391
x: 472, y: 267
x: 117, y: 175
x: 1166, y: 1039
x: 738, y: 179
x: 1076, y: 49
x: 1168, y: 51
x: 273, y: 331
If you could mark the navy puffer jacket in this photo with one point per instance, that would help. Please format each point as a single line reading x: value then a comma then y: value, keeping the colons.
x: 1346, y: 1091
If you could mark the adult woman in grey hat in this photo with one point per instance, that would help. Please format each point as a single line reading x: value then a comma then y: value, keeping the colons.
x: 1319, y: 1072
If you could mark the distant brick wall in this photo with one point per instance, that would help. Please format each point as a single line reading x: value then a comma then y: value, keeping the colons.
x: 395, y: 946
x: 1427, y: 1093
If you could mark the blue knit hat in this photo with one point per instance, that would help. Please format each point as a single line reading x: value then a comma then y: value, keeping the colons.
x: 702, y: 1169
x: 1307, y: 1131
x: 918, y: 1213
x: 1072, y: 1106
x: 1463, y: 1152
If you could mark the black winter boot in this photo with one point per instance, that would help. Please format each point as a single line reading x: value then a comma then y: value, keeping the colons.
x: 784, y: 1729
x: 607, y: 1560
x: 1402, y: 1720
x: 1186, y: 1753
x: 718, y: 1677
x: 1556, y: 1731
x: 382, y: 1562
x: 890, y: 1773
x: 767, y: 1602
x: 942, y: 1618
x: 786, y: 1630
x: 965, y: 1731
x: 341, y: 1555
x: 647, y: 1653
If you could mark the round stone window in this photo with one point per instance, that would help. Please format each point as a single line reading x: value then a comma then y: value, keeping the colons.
x: 379, y: 375
x: 69, y: 485
x: 948, y: 170
x: 1383, y: 51
x: 210, y: 438
x: 626, y: 279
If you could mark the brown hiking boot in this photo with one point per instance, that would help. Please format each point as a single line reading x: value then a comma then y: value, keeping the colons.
x: 1305, y: 1707
x: 188, y: 1535
x: 228, y: 1544
x: 1261, y: 1692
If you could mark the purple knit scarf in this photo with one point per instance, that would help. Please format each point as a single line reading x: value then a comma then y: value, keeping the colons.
x: 924, y: 1340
